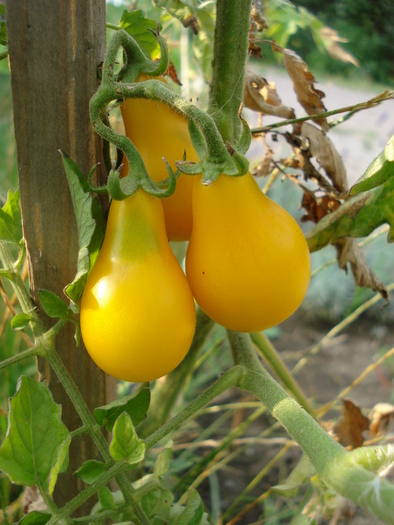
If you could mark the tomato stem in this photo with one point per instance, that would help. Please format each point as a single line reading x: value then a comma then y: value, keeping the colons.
x: 271, y: 356
x: 229, y: 59
x: 343, y: 471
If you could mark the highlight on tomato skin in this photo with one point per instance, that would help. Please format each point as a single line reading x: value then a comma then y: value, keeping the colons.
x: 157, y: 131
x: 247, y: 262
x: 137, y: 311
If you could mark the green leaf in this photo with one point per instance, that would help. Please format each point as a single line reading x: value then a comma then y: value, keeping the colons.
x: 37, y: 441
x: 3, y: 27
x: 193, y: 513
x: 106, y: 498
x: 82, y: 201
x: 10, y: 219
x: 357, y: 217
x: 126, y: 445
x: 75, y: 289
x: 90, y: 224
x: 35, y: 518
x: 157, y: 502
x: 378, y: 172
x: 91, y: 470
x: 162, y: 463
x: 136, y: 25
x: 301, y: 473
x: 20, y: 321
x: 136, y: 405
x: 53, y: 305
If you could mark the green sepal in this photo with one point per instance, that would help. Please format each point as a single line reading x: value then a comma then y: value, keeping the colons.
x: 240, y: 161
x: 120, y: 189
x: 160, y: 189
x: 209, y: 168
x: 162, y: 64
x: 197, y: 139
x: 244, y: 141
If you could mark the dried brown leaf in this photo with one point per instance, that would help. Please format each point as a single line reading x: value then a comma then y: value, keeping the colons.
x: 351, y: 425
x: 253, y: 49
x: 325, y: 153
x: 334, y: 49
x: 317, y: 207
x: 348, y: 251
x: 260, y: 95
x: 171, y: 72
x: 192, y: 22
x: 308, y: 96
x: 381, y: 416
x: 257, y: 15
x: 264, y: 167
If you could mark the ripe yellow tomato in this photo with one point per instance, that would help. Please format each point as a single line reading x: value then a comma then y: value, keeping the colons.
x: 137, y: 310
x: 157, y: 131
x: 247, y: 262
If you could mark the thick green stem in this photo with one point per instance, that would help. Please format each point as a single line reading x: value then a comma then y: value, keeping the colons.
x: 271, y: 356
x: 166, y: 394
x: 228, y: 68
x: 334, y: 464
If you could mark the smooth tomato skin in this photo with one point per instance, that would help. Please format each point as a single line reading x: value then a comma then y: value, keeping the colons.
x: 157, y: 131
x: 137, y: 312
x: 247, y: 262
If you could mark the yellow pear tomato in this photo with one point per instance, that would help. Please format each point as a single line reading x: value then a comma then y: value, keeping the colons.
x: 247, y: 262
x: 137, y: 310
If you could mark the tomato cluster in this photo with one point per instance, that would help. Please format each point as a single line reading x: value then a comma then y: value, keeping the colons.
x: 247, y: 261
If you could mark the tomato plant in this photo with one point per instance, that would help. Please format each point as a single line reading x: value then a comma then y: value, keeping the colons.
x: 136, y: 279
x: 247, y: 264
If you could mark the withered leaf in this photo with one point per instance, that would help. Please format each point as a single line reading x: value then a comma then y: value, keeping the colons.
x: 192, y: 22
x: 264, y: 166
x: 253, y: 49
x: 260, y: 95
x: 317, y: 207
x: 322, y: 148
x: 171, y: 72
x: 332, y: 41
x: 381, y: 415
x: 257, y: 15
x: 348, y: 251
x: 351, y: 425
x: 308, y: 96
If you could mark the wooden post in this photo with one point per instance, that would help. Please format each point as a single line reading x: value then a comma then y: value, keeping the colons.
x: 55, y: 48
